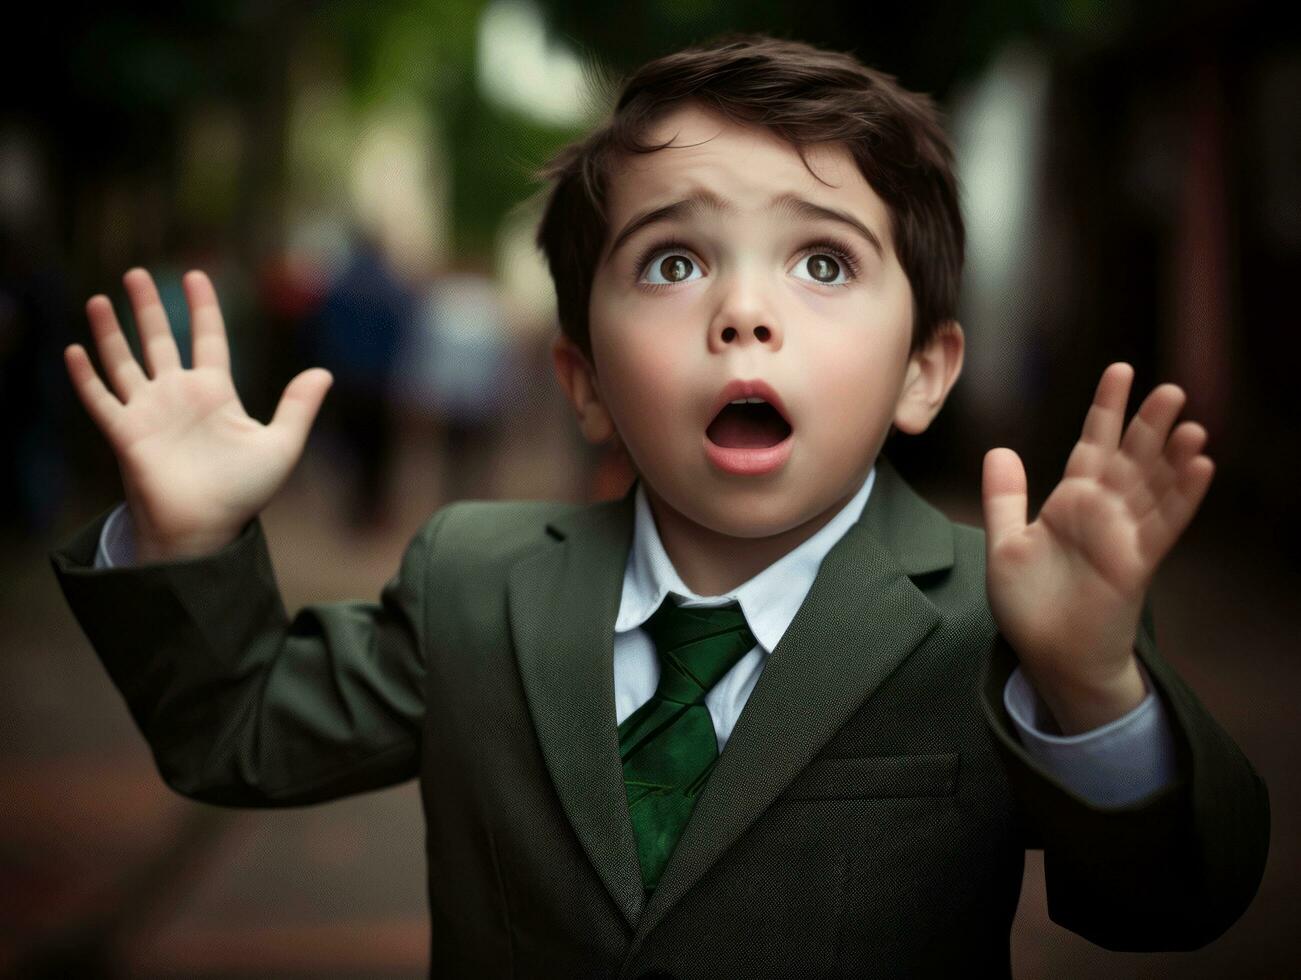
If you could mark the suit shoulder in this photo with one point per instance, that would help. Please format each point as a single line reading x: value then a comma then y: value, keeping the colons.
x: 968, y: 543
x: 488, y: 530
x: 961, y: 590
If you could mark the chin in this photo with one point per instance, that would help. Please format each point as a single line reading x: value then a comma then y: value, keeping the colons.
x: 758, y: 516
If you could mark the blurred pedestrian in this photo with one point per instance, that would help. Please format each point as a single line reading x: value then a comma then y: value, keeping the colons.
x: 356, y: 336
x: 460, y: 369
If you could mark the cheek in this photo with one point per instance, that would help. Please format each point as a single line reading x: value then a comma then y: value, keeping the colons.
x: 640, y: 368
x: 859, y: 358
x: 644, y: 384
x: 641, y: 345
x: 855, y: 387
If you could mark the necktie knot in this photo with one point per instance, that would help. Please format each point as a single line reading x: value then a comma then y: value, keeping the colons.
x: 697, y: 645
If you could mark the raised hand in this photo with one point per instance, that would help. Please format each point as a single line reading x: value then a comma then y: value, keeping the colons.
x: 1066, y: 590
x: 195, y: 466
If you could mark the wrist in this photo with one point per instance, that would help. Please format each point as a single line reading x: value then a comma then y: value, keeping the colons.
x: 1081, y: 704
x: 150, y: 547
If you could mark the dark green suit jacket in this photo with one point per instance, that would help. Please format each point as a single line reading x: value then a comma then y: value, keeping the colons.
x: 868, y: 816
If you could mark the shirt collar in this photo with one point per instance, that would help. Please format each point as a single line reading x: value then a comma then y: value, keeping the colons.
x: 769, y: 600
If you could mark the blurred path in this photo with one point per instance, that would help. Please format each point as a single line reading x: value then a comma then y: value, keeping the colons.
x: 93, y: 846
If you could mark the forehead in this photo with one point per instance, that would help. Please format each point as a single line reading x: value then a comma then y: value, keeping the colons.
x: 747, y: 166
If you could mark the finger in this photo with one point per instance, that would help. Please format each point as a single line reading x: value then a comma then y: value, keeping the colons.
x: 1140, y: 459
x: 1103, y: 424
x: 299, y: 405
x: 115, y: 354
x: 1087, y: 459
x: 1187, y: 441
x: 156, y: 340
x: 1162, y: 526
x: 101, y: 405
x: 1104, y: 421
x: 1003, y: 494
x: 207, y: 329
x: 1150, y: 427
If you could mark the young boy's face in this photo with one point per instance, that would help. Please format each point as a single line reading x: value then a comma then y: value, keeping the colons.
x: 757, y: 286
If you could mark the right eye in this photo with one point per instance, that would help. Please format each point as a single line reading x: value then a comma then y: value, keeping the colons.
x: 671, y: 267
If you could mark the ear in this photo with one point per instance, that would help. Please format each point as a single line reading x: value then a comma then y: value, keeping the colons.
x: 578, y: 379
x: 931, y: 372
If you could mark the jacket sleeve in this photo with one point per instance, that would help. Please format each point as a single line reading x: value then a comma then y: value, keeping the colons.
x: 1171, y: 871
x: 240, y: 705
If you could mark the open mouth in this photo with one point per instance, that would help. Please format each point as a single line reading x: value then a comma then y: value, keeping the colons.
x: 748, y: 423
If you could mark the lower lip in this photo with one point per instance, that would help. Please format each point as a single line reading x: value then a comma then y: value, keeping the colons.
x: 750, y: 462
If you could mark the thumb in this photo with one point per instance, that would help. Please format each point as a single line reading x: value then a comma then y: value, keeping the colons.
x: 1003, y: 493
x: 299, y: 404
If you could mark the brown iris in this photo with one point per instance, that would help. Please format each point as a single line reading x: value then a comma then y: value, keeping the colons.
x: 823, y: 267
x: 675, y: 268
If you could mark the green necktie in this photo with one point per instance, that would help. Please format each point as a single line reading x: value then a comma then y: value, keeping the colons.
x: 668, y: 745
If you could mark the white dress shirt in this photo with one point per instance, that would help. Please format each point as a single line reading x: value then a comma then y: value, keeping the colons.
x: 1115, y: 764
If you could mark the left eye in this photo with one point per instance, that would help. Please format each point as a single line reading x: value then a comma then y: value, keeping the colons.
x: 822, y: 267
x: 672, y: 267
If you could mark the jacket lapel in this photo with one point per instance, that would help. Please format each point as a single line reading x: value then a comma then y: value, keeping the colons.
x: 861, y: 618
x: 563, y: 602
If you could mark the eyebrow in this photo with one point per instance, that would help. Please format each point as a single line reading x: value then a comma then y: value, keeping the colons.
x: 702, y: 201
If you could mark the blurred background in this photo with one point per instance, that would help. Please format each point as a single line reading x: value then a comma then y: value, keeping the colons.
x: 355, y: 179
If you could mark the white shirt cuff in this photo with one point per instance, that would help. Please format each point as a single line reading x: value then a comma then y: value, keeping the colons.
x: 1113, y: 765
x: 117, y: 545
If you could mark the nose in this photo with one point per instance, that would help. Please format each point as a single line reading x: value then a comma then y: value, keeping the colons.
x: 743, y: 319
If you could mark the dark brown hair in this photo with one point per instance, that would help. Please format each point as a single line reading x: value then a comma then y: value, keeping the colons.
x: 803, y: 94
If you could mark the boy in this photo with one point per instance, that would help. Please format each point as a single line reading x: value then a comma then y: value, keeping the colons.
x: 771, y: 714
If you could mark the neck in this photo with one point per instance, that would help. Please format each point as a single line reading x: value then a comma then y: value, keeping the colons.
x: 711, y: 563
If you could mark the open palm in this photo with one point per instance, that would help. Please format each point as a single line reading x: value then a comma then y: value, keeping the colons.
x: 195, y: 466
x: 1066, y: 590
